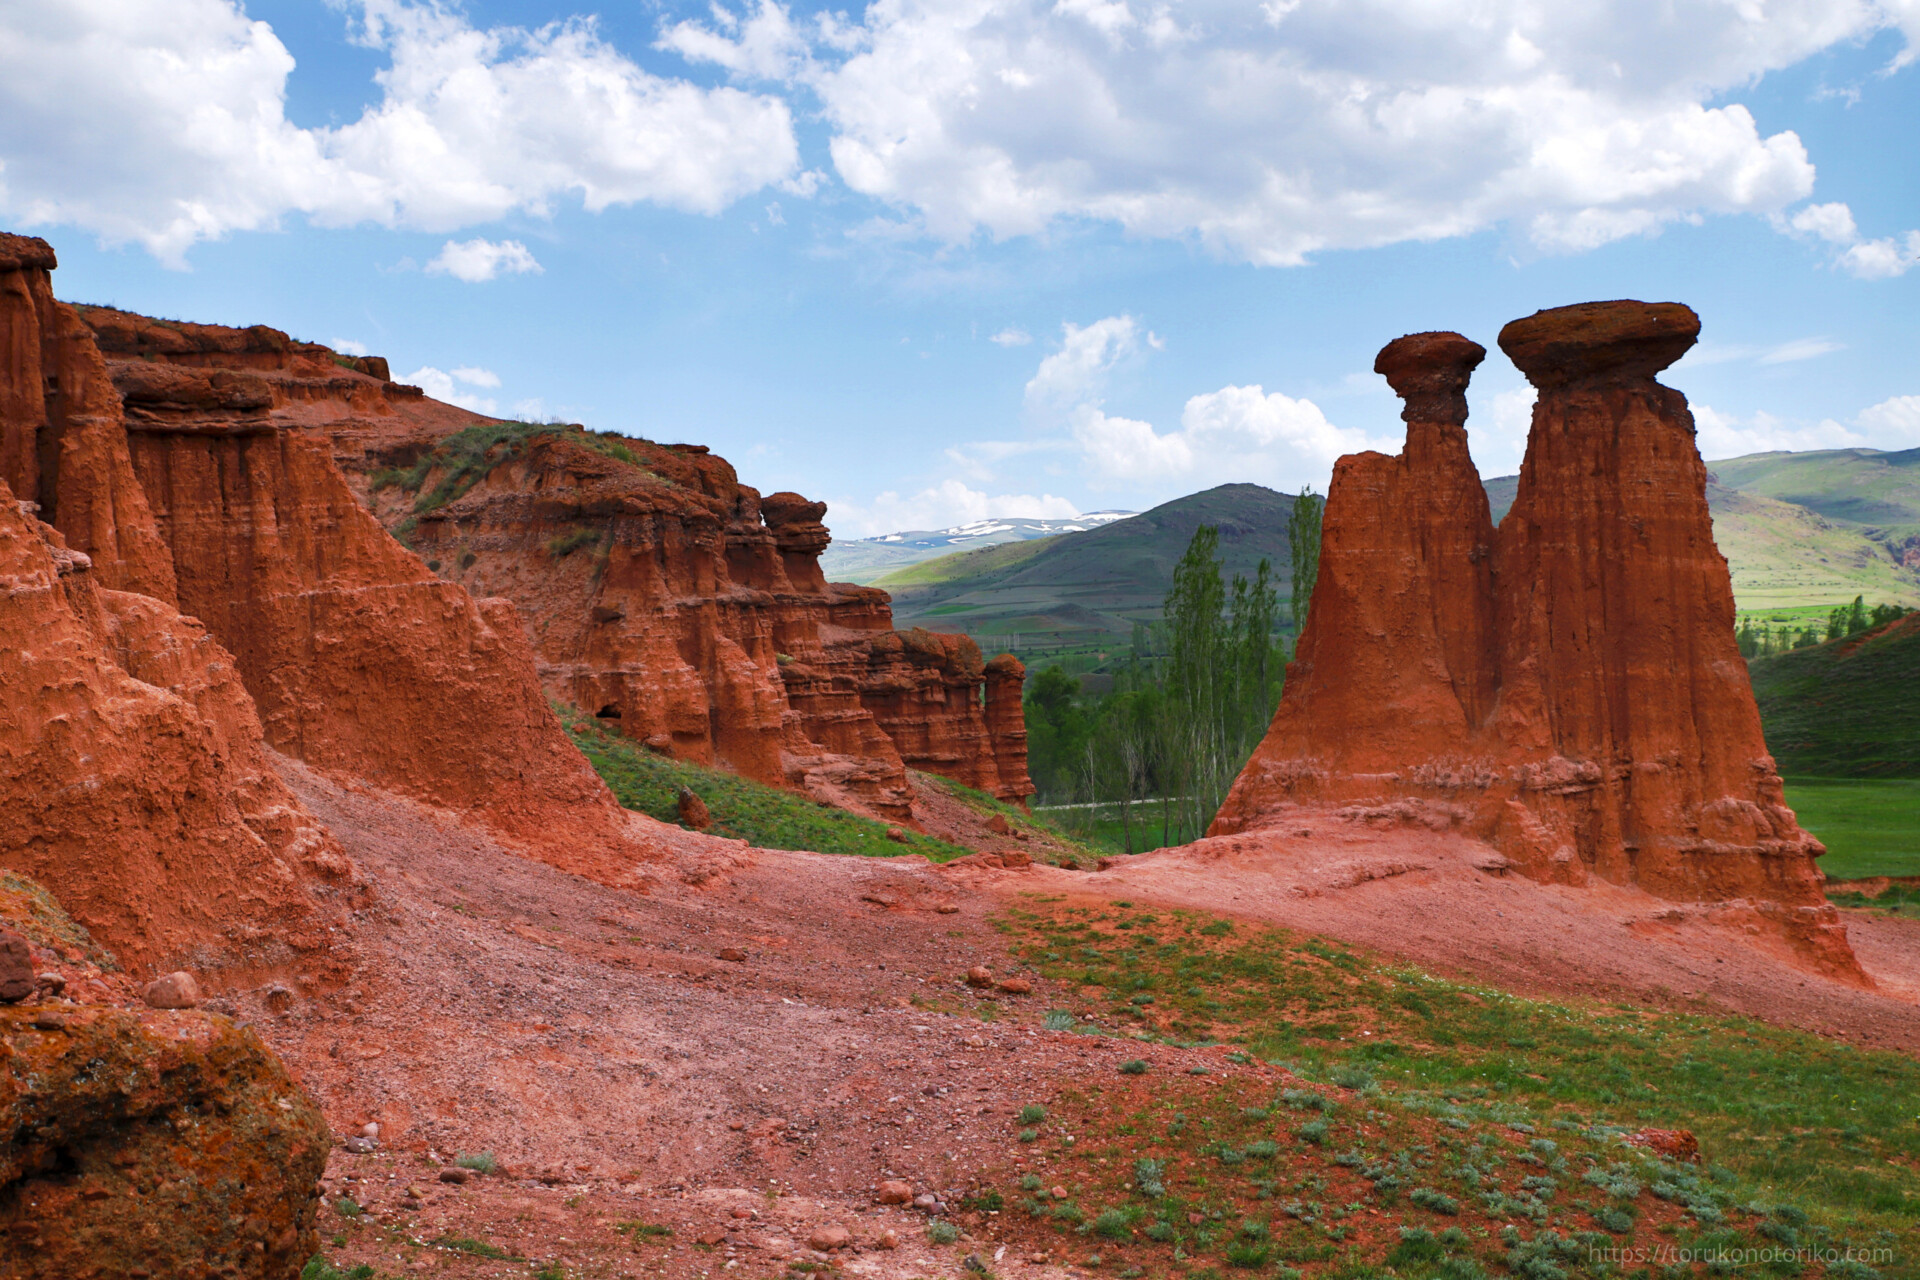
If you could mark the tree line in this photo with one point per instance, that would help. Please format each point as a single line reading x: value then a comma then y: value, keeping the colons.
x: 1189, y: 702
x: 1844, y: 620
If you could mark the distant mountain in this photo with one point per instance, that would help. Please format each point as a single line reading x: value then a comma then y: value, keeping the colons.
x: 1808, y: 529
x: 1089, y: 587
x: 864, y: 559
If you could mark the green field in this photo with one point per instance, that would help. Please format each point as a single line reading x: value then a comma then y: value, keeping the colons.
x: 1804, y: 1140
x: 1871, y: 826
x: 1847, y: 708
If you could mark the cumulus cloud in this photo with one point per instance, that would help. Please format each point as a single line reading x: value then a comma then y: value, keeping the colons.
x: 1880, y: 259
x: 1273, y: 132
x: 949, y: 503
x: 448, y: 385
x: 1011, y: 337
x: 1894, y: 423
x: 163, y: 122
x: 349, y: 347
x: 478, y: 260
x: 1077, y: 373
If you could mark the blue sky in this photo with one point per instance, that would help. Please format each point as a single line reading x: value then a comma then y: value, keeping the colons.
x: 939, y: 259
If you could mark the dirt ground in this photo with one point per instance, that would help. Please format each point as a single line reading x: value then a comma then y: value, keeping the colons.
x: 744, y: 1053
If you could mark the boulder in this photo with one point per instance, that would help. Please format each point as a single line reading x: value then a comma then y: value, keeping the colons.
x: 693, y: 810
x: 152, y: 1144
x: 175, y: 990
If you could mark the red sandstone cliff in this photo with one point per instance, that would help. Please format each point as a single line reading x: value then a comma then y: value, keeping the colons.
x: 657, y: 590
x: 166, y: 459
x: 1567, y: 687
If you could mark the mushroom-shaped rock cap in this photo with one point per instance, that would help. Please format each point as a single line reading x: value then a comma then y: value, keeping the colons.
x: 1430, y: 372
x: 1600, y: 341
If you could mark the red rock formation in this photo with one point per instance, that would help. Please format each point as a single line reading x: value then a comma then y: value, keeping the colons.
x: 657, y: 590
x: 133, y: 779
x: 60, y: 439
x: 1569, y: 687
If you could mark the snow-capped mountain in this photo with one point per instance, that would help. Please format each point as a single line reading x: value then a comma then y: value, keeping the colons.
x: 864, y: 559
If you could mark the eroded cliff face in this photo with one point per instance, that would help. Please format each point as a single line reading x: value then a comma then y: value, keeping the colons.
x: 1567, y: 687
x: 687, y: 611
x: 658, y: 592
x: 133, y: 777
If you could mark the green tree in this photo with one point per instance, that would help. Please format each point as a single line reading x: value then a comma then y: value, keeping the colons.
x: 1303, y: 549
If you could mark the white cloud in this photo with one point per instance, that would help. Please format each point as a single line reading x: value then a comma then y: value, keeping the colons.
x: 1893, y: 423
x: 1273, y: 132
x: 1077, y: 373
x: 163, y: 122
x: 1233, y: 434
x: 1800, y: 349
x: 1726, y: 436
x: 446, y: 385
x: 348, y: 347
x: 1011, y: 337
x: 1789, y: 352
x: 948, y: 503
x: 1880, y: 259
x: 477, y: 260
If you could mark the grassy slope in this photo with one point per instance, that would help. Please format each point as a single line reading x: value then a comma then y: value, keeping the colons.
x: 1871, y: 826
x: 770, y: 817
x: 746, y: 810
x: 1447, y: 1078
x: 1846, y: 708
x: 1860, y: 487
x: 1093, y: 585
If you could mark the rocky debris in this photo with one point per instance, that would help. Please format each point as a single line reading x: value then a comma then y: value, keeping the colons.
x: 1674, y: 1144
x: 735, y: 954
x: 175, y: 990
x: 693, y: 810
x: 1567, y: 687
x: 893, y: 1191
x: 888, y: 1239
x: 979, y: 976
x: 897, y: 835
x: 17, y: 980
x: 49, y: 984
x: 1014, y: 986
x: 148, y: 1147
x: 999, y: 825
x: 455, y: 1175
x: 827, y: 1239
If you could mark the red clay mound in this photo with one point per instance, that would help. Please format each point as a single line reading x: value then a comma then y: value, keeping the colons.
x: 1568, y: 687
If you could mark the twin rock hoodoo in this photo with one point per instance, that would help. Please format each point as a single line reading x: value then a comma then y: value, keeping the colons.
x: 1565, y: 687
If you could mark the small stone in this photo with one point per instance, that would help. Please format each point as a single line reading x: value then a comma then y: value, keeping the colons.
x: 896, y: 835
x: 51, y: 984
x: 888, y: 1239
x: 736, y: 1125
x: 693, y: 810
x: 979, y: 976
x: 999, y: 825
x: 926, y: 1202
x: 361, y: 1146
x: 17, y: 980
x: 49, y: 1020
x: 1016, y: 859
x: 1059, y: 1193
x: 734, y: 954
x: 1015, y: 986
x: 174, y: 991
x: 893, y: 1191
x: 371, y: 1130
x: 1020, y: 836
x: 712, y: 1235
x: 740, y: 1213
x: 827, y: 1239
x: 279, y: 1000
x: 1069, y: 864
x: 1194, y: 1219
x: 946, y: 909
x: 456, y: 1175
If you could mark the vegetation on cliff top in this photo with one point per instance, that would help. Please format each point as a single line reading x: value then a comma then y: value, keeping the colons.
x: 465, y: 458
x: 1452, y: 1106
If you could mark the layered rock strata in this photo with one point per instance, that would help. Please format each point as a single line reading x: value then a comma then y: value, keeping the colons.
x: 1567, y: 687
x: 201, y: 488
x: 686, y: 610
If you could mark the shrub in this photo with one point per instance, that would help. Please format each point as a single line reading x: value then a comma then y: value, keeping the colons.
x: 1160, y: 1231
x: 318, y: 1268
x: 467, y: 1244
x: 1351, y: 1077
x: 347, y: 1207
x: 1263, y: 1150
x: 562, y: 545
x: 1030, y: 1182
x: 940, y: 1232
x: 479, y: 1162
x: 1113, y: 1225
x: 1306, y: 1100
x: 1314, y: 1131
x: 1059, y: 1020
x: 1150, y: 1177
x: 1134, y: 1067
x: 1032, y: 1113
x: 1069, y: 1213
x: 1616, y: 1220
x: 1439, y: 1202
x: 1029, y: 1135
x: 1248, y: 1255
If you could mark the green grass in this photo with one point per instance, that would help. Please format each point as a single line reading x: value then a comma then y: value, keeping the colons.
x: 766, y: 816
x: 477, y: 1248
x: 1871, y: 826
x: 1789, y: 1118
x: 1848, y: 708
x: 465, y: 458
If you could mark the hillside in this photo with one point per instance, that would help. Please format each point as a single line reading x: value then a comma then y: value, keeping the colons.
x: 861, y: 560
x: 1846, y: 708
x: 1091, y: 587
x: 1780, y: 519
